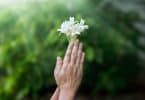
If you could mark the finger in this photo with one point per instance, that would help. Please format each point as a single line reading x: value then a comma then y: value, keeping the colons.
x: 79, y: 55
x: 74, y: 52
x: 79, y: 74
x: 59, y: 63
x: 68, y: 52
x: 80, y: 70
x: 82, y: 59
x: 74, y: 71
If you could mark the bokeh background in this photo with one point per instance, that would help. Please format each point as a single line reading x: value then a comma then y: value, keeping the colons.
x: 114, y: 45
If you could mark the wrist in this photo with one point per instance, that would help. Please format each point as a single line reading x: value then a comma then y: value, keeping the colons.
x: 67, y: 94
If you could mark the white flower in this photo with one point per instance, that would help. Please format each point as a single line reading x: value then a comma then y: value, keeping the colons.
x: 72, y: 27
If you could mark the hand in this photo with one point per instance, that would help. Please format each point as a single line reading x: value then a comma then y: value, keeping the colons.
x: 69, y: 71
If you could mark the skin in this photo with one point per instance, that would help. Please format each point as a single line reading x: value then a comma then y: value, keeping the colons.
x: 69, y: 72
x: 55, y: 96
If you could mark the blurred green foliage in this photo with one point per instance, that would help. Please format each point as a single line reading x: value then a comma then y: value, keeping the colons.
x: 29, y: 44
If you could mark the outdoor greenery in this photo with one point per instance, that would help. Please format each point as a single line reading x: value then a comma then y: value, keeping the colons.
x: 29, y: 44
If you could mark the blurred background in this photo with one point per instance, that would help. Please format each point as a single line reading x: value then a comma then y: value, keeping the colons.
x: 114, y: 45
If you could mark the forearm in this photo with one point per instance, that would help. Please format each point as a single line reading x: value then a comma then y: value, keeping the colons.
x: 55, y: 96
x: 66, y: 94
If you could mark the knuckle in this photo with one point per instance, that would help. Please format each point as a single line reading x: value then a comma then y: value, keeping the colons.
x: 55, y: 72
x: 65, y: 65
x: 78, y: 55
x: 74, y: 52
x: 69, y: 52
x: 66, y: 62
x: 82, y: 61
x: 67, y: 55
x: 71, y: 64
x: 75, y: 46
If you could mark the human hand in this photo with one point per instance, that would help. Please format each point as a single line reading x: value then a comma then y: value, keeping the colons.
x: 69, y: 71
x: 55, y: 95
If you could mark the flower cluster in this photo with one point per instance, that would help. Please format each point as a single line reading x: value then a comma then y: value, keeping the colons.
x: 72, y: 28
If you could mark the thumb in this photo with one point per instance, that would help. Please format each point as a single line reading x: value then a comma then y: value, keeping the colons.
x: 59, y: 61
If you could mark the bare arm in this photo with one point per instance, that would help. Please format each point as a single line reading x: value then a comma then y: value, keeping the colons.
x: 69, y: 71
x: 55, y: 96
